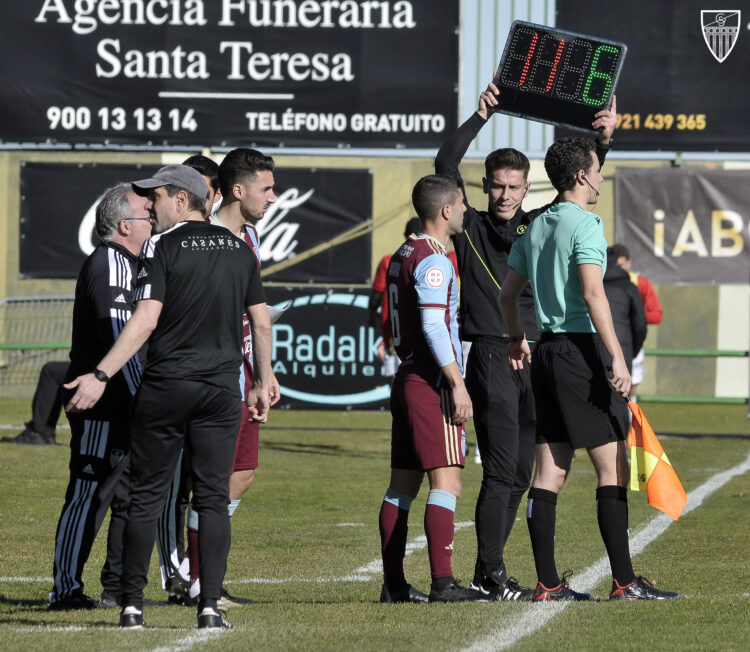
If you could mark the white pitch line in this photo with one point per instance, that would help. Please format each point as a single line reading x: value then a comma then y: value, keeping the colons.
x: 195, y: 638
x: 361, y: 574
x: 27, y: 579
x: 534, y: 617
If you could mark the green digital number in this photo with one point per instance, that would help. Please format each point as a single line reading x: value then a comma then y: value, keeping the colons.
x: 597, y: 74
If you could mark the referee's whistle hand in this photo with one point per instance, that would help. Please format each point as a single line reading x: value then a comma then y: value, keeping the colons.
x: 88, y: 392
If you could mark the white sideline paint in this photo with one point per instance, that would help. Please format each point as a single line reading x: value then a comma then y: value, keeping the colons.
x: 361, y: 574
x: 195, y: 638
x: 536, y: 616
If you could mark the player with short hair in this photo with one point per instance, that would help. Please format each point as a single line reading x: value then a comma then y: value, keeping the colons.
x: 578, y: 372
x: 246, y: 177
x: 429, y: 401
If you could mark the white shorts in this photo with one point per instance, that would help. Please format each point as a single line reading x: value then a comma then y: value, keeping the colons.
x: 637, y: 375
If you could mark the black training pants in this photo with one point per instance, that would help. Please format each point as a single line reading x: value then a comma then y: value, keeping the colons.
x: 504, y: 418
x: 169, y: 415
x: 98, y: 450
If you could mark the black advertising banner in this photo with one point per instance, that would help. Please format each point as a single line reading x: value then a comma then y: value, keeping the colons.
x: 685, y: 225
x: 312, y: 207
x: 58, y: 204
x: 684, y: 84
x: 294, y: 73
x: 325, y: 355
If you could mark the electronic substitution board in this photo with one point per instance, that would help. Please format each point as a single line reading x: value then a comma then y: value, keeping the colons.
x: 556, y: 76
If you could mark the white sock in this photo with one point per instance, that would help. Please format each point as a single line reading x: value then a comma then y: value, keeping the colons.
x: 195, y: 588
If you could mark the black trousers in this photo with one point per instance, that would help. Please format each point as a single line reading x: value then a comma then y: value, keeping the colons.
x: 47, y: 402
x: 504, y: 418
x: 98, y: 450
x: 112, y: 570
x: 170, y: 415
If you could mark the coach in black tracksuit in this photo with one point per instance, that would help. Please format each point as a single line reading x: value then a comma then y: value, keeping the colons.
x: 504, y: 410
x: 194, y: 281
x: 100, y: 438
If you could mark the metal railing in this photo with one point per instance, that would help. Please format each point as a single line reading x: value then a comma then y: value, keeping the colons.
x: 33, y: 331
x: 694, y: 353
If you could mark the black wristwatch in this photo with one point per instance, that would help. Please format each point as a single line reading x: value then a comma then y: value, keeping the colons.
x: 517, y: 338
x: 100, y: 375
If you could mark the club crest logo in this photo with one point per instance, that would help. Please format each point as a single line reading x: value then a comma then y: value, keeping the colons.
x: 521, y: 229
x: 721, y: 28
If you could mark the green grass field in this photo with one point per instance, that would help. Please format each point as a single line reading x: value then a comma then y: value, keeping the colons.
x: 306, y: 547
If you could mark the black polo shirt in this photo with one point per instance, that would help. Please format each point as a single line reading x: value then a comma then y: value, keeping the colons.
x: 204, y: 276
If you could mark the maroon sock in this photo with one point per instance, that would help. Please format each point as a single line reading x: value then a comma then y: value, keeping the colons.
x: 393, y: 532
x: 192, y: 553
x: 438, y: 526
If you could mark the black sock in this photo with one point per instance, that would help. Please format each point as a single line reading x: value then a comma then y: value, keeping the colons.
x: 208, y: 604
x: 612, y: 514
x: 540, y: 517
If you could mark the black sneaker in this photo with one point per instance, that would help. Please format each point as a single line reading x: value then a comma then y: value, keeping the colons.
x: 31, y: 437
x: 132, y: 618
x: 640, y: 589
x: 561, y: 592
x: 454, y: 592
x: 211, y: 619
x: 227, y: 601
x: 108, y: 600
x: 72, y: 602
x: 176, y: 590
x: 498, y: 587
x: 405, y: 594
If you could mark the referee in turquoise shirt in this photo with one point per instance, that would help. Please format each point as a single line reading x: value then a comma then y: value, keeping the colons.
x: 579, y: 375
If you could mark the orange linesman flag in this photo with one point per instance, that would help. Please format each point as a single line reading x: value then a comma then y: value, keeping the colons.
x: 650, y: 470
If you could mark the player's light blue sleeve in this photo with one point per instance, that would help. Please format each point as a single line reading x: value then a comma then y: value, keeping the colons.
x: 433, y: 277
x: 517, y: 257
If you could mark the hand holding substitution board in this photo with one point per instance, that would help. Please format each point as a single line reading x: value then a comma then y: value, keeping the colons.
x: 556, y: 76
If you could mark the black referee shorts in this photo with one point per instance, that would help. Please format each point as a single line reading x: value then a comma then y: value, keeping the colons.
x: 574, y: 401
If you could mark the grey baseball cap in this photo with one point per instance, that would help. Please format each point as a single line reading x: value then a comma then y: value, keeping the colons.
x: 182, y: 176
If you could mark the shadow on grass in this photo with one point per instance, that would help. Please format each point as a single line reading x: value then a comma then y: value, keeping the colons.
x: 317, y: 449
x: 685, y: 435
x: 39, y: 603
x: 326, y: 429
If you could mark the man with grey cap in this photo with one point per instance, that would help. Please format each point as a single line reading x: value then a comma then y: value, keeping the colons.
x: 194, y: 281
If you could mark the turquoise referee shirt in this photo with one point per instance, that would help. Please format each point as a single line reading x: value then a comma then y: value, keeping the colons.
x: 555, y: 243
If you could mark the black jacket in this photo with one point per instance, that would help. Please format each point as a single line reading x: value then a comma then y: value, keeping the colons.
x: 628, y: 311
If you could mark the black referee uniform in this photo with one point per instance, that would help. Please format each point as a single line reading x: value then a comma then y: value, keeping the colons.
x: 100, y: 437
x: 504, y: 409
x: 204, y: 277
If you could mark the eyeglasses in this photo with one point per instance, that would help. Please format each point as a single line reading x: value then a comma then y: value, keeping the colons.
x: 138, y: 219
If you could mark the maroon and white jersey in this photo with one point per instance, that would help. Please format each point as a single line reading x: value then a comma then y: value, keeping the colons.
x: 423, y: 305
